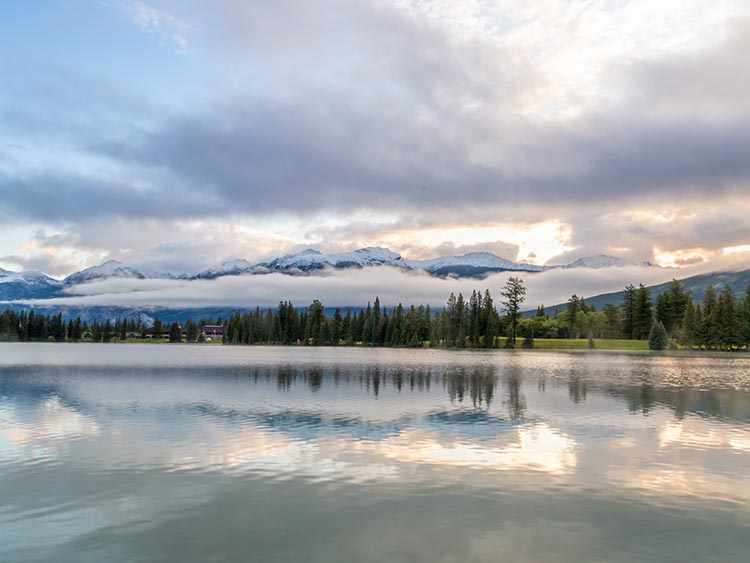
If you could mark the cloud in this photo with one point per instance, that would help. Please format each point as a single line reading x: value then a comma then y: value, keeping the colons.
x: 439, y: 114
x: 166, y: 26
x: 339, y: 153
x: 345, y: 288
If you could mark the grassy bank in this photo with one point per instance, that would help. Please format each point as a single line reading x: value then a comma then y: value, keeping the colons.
x: 583, y: 344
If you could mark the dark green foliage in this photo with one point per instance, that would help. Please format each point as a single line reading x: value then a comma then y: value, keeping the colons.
x: 628, y: 310
x: 528, y: 339
x: 708, y: 328
x: 671, y: 306
x: 727, y: 320
x: 720, y: 322
x: 690, y: 325
x: 514, y: 294
x: 642, y: 313
x: 657, y: 338
x: 191, y: 331
x: 744, y: 319
x: 175, y: 333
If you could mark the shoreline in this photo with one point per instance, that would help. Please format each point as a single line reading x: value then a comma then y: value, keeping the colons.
x: 565, y: 346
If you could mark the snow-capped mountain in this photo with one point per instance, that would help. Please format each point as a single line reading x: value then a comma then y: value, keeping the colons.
x: 233, y: 267
x: 109, y: 269
x: 310, y: 259
x: 472, y: 264
x: 599, y: 261
x: 36, y: 285
x: 26, y: 285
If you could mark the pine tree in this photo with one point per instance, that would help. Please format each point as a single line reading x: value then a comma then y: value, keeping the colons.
x: 642, y: 313
x: 156, y: 328
x: 744, y: 319
x: 709, y: 336
x: 657, y: 338
x: 628, y: 309
x: 727, y: 320
x: 191, y: 329
x: 175, y: 333
x: 490, y: 320
x: 514, y: 293
x: 689, y: 329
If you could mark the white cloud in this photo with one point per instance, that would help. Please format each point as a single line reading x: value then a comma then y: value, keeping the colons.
x: 348, y: 288
x: 164, y: 25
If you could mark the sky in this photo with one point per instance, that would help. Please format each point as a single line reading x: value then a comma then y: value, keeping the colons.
x: 175, y: 134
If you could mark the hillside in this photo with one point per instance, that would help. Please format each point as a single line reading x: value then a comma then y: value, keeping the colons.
x: 696, y: 285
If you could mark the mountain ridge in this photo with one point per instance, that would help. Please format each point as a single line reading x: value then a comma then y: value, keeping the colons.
x: 31, y: 284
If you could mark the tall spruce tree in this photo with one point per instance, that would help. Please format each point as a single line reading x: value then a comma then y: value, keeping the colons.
x: 628, y: 311
x: 642, y: 313
x: 744, y: 319
x: 727, y: 319
x: 514, y: 294
x: 708, y: 328
x: 689, y: 326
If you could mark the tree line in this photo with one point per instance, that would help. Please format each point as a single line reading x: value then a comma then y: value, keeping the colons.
x: 32, y: 326
x: 720, y: 321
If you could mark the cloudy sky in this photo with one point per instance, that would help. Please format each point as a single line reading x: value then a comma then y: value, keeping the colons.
x: 177, y: 133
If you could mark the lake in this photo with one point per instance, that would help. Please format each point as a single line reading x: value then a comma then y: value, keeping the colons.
x: 117, y: 452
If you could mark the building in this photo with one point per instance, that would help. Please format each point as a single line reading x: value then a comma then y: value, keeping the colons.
x: 211, y: 332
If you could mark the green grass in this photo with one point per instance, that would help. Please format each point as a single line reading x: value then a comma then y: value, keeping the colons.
x: 154, y: 341
x: 583, y: 344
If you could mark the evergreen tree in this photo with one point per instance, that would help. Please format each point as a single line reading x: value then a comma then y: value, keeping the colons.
x: 528, y: 340
x: 642, y: 313
x: 690, y: 327
x: 191, y: 330
x: 489, y: 316
x: 107, y: 331
x: 514, y: 293
x: 727, y: 319
x: 670, y: 307
x: 175, y: 333
x: 156, y: 328
x: 708, y: 328
x: 628, y: 309
x: 657, y: 338
x: 744, y: 319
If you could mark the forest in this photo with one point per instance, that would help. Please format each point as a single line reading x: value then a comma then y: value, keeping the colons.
x: 721, y: 321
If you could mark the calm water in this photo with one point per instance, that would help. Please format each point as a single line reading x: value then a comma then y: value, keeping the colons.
x: 201, y: 453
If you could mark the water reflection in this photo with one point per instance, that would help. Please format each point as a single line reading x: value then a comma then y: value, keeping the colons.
x: 89, y: 448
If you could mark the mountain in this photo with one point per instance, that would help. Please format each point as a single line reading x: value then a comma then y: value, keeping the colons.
x: 310, y: 260
x: 30, y: 285
x: 109, y: 269
x: 26, y: 285
x: 696, y: 285
x: 598, y: 261
x: 229, y: 268
x: 473, y: 264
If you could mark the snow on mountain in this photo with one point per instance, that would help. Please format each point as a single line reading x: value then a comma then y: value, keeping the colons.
x: 26, y: 285
x: 109, y: 269
x: 598, y: 261
x: 472, y: 264
x: 32, y: 284
x: 233, y: 267
x: 315, y: 260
